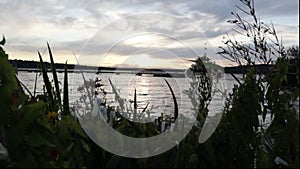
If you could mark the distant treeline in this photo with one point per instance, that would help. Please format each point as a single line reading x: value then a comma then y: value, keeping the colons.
x: 24, y: 64
x: 263, y: 69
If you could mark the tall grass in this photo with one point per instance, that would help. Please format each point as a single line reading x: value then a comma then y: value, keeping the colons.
x: 54, y: 74
x: 47, y: 83
x: 66, y: 108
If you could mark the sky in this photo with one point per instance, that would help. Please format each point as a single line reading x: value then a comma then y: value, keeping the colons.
x: 132, y: 33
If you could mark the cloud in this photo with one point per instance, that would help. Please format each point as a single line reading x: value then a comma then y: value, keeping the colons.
x: 68, y: 25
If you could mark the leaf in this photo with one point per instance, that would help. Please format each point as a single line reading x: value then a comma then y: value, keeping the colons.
x: 75, y: 126
x: 3, y: 41
x: 134, y: 105
x: 46, y: 82
x: 85, y: 146
x: 53, y: 69
x: 117, y: 96
x: 63, y: 132
x: 8, y: 86
x: 32, y: 112
x: 236, y: 78
x: 135, y: 101
x: 174, y: 100
x: 36, y: 139
x: 22, y: 84
x: 66, y: 108
x: 35, y: 83
x: 146, y: 107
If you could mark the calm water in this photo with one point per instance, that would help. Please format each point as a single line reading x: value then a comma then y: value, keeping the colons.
x: 152, y: 90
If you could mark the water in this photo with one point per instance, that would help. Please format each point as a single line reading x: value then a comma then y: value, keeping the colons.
x: 150, y: 90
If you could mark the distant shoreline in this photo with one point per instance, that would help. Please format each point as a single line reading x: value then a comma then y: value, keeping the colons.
x: 33, y: 66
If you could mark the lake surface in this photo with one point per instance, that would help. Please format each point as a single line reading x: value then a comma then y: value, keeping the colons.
x: 150, y: 90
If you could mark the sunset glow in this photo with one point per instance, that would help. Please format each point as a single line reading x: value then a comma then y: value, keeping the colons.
x: 69, y: 26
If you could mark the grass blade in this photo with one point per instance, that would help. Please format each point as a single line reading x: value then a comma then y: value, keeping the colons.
x: 145, y: 107
x: 55, y: 79
x: 134, y: 105
x: 134, y: 100
x: 23, y: 85
x: 175, y: 101
x: 84, y: 81
x: 46, y: 82
x: 235, y: 78
x: 117, y: 96
x: 66, y: 92
x: 35, y: 82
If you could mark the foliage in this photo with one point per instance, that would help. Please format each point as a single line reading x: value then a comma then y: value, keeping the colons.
x: 243, y: 130
x: 45, y: 136
x: 200, y: 91
x: 259, y: 127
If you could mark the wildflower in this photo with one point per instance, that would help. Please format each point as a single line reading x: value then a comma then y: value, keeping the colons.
x: 52, y: 116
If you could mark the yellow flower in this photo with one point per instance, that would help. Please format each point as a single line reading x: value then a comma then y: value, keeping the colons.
x: 52, y: 116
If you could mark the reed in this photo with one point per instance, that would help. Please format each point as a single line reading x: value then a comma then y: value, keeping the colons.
x: 54, y: 74
x: 66, y: 109
x: 47, y: 83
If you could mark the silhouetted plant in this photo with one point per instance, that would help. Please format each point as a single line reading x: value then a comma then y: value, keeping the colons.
x: 242, y: 139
